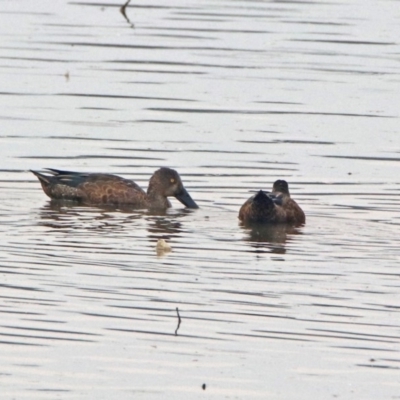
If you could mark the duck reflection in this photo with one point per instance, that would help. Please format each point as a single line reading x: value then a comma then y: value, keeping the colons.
x: 164, y: 227
x: 274, y: 237
x: 70, y: 215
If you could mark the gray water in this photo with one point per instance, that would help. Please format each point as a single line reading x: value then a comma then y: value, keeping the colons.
x: 234, y: 95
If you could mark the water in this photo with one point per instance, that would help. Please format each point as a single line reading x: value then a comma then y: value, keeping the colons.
x: 234, y: 95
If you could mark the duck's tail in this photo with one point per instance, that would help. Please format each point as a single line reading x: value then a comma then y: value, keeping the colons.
x: 263, y: 201
x: 42, y: 178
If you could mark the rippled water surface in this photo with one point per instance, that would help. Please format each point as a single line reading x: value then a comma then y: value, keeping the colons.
x: 234, y: 95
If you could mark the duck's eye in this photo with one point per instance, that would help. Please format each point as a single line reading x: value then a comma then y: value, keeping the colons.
x: 172, y: 180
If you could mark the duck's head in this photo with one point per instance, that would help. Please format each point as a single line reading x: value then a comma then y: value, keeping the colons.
x: 167, y: 183
x: 281, y: 186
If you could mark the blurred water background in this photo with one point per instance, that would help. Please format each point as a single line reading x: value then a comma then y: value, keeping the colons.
x: 234, y: 94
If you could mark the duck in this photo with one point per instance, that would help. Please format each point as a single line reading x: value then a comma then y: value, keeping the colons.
x: 108, y: 189
x: 276, y: 207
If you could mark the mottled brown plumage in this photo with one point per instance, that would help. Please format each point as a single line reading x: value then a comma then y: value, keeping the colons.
x: 261, y: 208
x: 274, y: 207
x: 110, y: 189
x: 280, y: 193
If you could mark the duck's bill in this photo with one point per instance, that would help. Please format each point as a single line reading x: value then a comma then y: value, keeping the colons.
x: 184, y: 198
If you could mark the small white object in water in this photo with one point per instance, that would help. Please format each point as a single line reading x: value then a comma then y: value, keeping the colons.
x: 163, y: 247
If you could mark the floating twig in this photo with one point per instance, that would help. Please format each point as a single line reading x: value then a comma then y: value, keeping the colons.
x: 179, y: 322
x: 123, y: 12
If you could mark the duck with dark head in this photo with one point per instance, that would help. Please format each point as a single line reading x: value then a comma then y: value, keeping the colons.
x: 107, y: 189
x: 276, y: 207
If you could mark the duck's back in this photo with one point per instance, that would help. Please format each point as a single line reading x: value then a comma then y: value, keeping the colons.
x: 112, y: 189
x: 261, y: 208
x: 281, y: 197
x: 294, y: 214
x: 92, y: 188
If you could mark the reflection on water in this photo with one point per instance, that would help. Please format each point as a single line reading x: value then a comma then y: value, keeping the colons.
x: 71, y: 215
x: 165, y: 227
x: 273, y: 237
x: 234, y: 95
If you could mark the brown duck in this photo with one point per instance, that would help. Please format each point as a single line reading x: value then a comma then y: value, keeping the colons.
x: 107, y: 189
x: 274, y: 207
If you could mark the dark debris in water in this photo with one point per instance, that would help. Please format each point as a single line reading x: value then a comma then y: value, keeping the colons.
x: 123, y: 12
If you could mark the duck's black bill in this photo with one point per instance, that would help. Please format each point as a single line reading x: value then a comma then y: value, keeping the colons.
x: 184, y: 198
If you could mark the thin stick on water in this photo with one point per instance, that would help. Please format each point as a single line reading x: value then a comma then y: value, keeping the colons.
x: 123, y: 12
x: 179, y: 322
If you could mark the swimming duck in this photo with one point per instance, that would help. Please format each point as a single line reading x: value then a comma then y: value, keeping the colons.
x: 274, y: 207
x: 107, y: 189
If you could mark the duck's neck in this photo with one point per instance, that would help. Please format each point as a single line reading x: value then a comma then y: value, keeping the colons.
x: 157, y: 200
x: 155, y: 192
x: 155, y: 197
